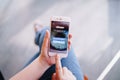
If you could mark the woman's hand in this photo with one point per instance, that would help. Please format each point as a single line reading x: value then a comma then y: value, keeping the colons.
x: 62, y: 73
x: 44, y: 58
x: 37, y: 68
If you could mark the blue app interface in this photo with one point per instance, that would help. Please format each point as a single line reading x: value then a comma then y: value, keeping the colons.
x: 59, y: 36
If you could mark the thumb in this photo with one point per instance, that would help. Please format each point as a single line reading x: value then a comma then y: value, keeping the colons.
x: 45, y: 41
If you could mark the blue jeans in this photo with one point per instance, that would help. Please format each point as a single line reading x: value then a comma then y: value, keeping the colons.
x: 70, y: 62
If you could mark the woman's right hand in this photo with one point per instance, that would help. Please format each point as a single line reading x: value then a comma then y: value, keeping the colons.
x: 62, y: 73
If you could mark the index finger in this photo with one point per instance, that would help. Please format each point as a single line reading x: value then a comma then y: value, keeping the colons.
x: 58, y: 67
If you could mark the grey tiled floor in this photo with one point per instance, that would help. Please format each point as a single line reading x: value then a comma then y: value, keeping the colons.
x: 95, y: 27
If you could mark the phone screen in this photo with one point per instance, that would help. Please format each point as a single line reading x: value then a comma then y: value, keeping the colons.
x: 59, y: 36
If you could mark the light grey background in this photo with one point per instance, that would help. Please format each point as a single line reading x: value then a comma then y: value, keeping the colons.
x: 95, y: 27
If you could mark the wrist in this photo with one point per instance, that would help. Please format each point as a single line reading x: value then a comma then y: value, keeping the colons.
x: 43, y: 63
x: 40, y: 66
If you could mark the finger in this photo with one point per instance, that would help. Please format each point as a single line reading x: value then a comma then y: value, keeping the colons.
x: 70, y: 36
x: 69, y: 44
x: 54, y: 76
x: 58, y: 68
x: 69, y: 41
x: 45, y: 41
x: 67, y: 72
x: 64, y: 70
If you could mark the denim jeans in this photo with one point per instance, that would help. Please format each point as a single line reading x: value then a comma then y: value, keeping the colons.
x: 70, y: 62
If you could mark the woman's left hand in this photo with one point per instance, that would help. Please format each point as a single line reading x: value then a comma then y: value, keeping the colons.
x: 44, y: 58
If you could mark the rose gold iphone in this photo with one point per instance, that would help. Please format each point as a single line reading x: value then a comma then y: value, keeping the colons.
x: 59, y: 36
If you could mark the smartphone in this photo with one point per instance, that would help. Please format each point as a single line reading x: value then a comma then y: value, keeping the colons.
x: 59, y: 36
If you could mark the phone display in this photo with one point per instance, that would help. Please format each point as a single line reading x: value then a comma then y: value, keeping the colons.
x: 59, y: 37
